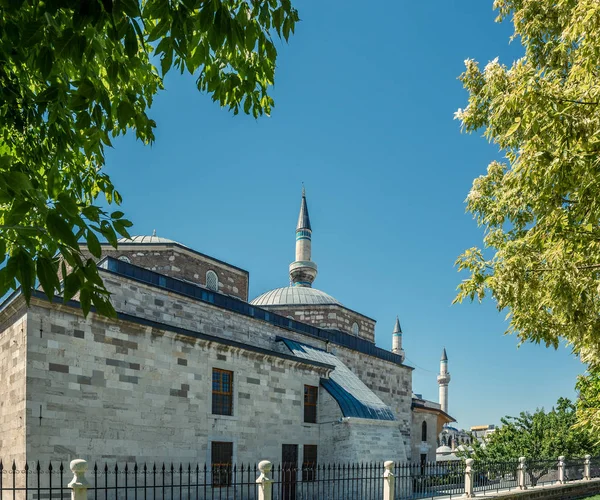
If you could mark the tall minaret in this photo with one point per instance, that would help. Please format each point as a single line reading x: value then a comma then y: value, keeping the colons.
x: 443, y: 380
x: 397, y: 340
x: 303, y: 270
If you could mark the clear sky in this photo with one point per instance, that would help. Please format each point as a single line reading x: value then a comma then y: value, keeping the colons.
x: 365, y: 96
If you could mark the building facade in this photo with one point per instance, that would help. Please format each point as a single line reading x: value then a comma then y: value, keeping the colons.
x: 191, y: 371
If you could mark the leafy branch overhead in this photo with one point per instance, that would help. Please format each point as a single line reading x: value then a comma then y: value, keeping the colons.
x: 540, y: 207
x: 76, y: 74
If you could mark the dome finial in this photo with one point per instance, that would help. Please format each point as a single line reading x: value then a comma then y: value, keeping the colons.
x: 154, y: 232
x: 303, y: 191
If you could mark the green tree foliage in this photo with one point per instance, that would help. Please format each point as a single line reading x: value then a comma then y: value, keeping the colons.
x: 588, y: 402
x: 75, y: 74
x: 540, y: 207
x: 537, y: 436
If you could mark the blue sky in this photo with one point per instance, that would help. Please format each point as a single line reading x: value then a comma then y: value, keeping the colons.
x: 365, y: 98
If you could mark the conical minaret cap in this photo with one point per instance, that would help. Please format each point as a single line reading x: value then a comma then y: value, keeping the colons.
x: 397, y: 328
x: 303, y: 218
x: 444, y: 355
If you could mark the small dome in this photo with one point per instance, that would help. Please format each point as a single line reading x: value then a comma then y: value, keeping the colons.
x: 291, y: 295
x: 153, y: 239
x: 443, y: 450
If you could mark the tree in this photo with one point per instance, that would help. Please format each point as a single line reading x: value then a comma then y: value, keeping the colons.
x: 540, y: 207
x: 74, y: 74
x: 588, y: 402
x: 538, y: 437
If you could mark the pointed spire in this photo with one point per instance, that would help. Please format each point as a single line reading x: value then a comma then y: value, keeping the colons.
x: 444, y: 356
x: 303, y: 218
x: 397, y: 328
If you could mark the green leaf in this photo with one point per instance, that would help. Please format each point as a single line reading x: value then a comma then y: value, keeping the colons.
x: 125, y: 112
x: 17, y: 181
x: 131, y: 42
x: 93, y: 244
x: 47, y: 274
x: 45, y: 62
x: 25, y: 271
x: 72, y: 285
x: 117, y: 215
x: 60, y: 229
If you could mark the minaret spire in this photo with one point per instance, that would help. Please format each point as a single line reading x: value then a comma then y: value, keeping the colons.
x: 303, y: 270
x: 443, y: 380
x: 397, y: 340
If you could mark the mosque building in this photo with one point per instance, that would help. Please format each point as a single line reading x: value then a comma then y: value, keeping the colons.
x: 191, y: 370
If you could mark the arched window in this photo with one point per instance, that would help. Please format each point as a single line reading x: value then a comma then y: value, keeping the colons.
x: 212, y: 281
x: 125, y: 259
x: 424, y: 431
x: 444, y: 442
x: 355, y: 329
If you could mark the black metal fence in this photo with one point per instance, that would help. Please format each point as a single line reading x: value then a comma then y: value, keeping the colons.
x: 491, y: 476
x: 362, y: 481
x: 541, y: 472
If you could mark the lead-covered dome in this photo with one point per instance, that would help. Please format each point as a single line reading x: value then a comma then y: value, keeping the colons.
x: 291, y: 295
x: 152, y: 239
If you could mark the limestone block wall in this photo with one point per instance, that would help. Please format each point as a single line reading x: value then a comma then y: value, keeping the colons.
x: 390, y: 381
x: 419, y: 446
x: 13, y: 347
x: 179, y: 262
x: 114, y: 390
x: 329, y: 317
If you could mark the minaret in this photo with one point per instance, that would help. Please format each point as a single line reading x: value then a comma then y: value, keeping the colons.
x: 303, y: 270
x: 397, y: 340
x: 443, y: 380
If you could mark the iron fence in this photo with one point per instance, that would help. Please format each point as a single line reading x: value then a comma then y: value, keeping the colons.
x: 358, y: 481
x: 574, y: 469
x: 495, y: 476
x: 540, y: 472
x: 429, y: 480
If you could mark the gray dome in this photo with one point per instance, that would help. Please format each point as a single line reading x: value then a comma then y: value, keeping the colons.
x: 153, y: 239
x: 290, y: 295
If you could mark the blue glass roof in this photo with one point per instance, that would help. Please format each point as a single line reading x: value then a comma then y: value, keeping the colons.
x: 352, y: 395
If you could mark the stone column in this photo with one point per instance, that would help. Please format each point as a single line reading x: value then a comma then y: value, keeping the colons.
x: 561, y: 469
x: 265, y: 484
x: 79, y: 484
x: 521, y: 473
x: 469, y: 478
x: 587, y: 468
x: 389, y: 481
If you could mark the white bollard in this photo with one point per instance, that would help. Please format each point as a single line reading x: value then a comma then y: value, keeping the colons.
x: 264, y: 482
x: 389, y: 481
x: 587, y: 468
x: 561, y: 470
x: 521, y: 473
x: 79, y: 484
x: 469, y: 478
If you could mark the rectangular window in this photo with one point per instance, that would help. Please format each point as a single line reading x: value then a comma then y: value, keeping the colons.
x: 309, y: 464
x: 221, y: 463
x: 222, y: 392
x: 310, y: 404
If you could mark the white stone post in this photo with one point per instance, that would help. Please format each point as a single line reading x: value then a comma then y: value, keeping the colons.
x: 469, y: 478
x: 389, y: 481
x: 561, y: 469
x: 521, y: 473
x: 587, y: 468
x: 264, y: 482
x: 79, y: 484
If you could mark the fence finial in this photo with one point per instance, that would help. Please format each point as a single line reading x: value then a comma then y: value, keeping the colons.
x: 389, y: 481
x: 521, y: 473
x: 79, y: 484
x: 264, y: 482
x: 561, y: 469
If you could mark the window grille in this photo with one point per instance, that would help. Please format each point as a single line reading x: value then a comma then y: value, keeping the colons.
x: 221, y: 460
x: 309, y: 462
x: 222, y: 392
x: 310, y: 404
x: 212, y: 281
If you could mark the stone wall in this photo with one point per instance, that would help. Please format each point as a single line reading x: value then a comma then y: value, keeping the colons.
x: 390, y: 381
x: 115, y: 390
x: 13, y: 346
x: 420, y: 447
x: 178, y: 262
x: 331, y: 317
